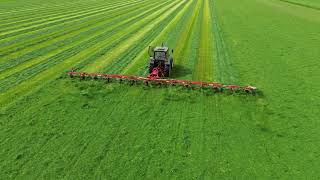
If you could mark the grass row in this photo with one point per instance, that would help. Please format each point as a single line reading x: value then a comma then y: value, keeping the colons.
x: 43, y: 11
x: 225, y: 73
x: 27, y: 39
x: 13, y: 24
x: 31, y: 28
x: 204, y: 65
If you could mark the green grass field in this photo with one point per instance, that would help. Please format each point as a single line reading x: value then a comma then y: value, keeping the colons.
x: 55, y: 127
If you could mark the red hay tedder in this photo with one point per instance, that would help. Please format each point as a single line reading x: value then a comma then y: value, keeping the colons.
x: 160, y: 68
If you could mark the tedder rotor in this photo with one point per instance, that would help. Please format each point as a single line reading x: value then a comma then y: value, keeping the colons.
x: 160, y: 70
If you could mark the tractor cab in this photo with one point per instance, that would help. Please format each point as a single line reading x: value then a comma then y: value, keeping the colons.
x: 161, y: 58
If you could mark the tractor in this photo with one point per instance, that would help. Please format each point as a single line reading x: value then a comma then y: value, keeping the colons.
x: 160, y: 61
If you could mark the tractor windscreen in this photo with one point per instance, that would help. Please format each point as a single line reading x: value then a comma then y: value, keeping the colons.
x: 160, y: 55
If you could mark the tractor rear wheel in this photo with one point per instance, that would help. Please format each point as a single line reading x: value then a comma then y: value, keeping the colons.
x: 167, y: 71
x: 151, y: 66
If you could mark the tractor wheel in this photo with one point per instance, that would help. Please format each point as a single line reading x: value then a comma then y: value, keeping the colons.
x: 171, y: 63
x: 167, y: 70
x: 151, y: 68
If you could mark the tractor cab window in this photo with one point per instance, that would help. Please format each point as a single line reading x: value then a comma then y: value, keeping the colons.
x: 160, y: 55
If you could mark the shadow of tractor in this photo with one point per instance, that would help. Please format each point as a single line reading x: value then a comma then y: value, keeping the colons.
x: 180, y: 71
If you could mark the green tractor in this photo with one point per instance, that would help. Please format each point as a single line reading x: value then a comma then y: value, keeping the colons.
x: 161, y: 60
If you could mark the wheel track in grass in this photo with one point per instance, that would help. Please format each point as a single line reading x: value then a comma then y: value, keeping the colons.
x: 102, y: 62
x: 204, y: 64
x: 25, y: 21
x: 224, y: 73
x: 139, y: 61
x: 31, y: 28
x: 27, y: 41
x: 50, y: 73
x: 55, y: 48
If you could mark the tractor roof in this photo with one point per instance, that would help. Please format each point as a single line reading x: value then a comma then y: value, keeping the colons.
x: 163, y: 49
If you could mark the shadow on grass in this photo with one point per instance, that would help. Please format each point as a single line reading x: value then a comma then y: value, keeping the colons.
x: 180, y: 71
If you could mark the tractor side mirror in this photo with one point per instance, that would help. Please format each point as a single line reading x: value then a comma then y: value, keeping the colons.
x: 172, y: 51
